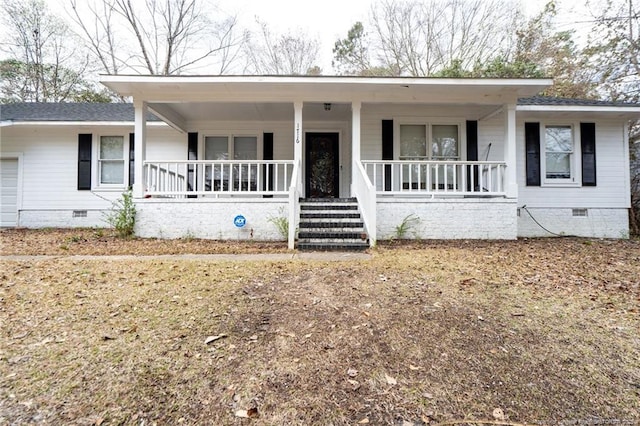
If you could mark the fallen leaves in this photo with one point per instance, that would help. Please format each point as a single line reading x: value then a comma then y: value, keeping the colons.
x: 355, y: 385
x: 251, y: 413
x: 212, y: 339
x: 306, y: 350
x: 89, y: 241
x: 498, y: 414
x: 390, y: 380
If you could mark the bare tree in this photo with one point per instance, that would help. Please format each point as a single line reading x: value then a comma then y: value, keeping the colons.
x: 615, y: 49
x: 420, y: 38
x: 159, y: 37
x: 282, y: 54
x: 45, y: 64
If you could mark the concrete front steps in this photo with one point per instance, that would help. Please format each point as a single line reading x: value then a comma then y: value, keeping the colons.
x: 331, y: 224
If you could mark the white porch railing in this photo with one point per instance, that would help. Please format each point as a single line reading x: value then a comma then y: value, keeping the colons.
x: 469, y: 178
x: 184, y: 178
x: 365, y: 192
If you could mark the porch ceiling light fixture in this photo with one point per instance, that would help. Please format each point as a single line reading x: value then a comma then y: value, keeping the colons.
x: 327, y: 106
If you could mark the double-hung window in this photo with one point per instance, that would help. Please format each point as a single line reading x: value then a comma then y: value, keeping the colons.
x: 111, y: 161
x: 559, y: 148
x: 429, y: 142
x: 235, y: 175
x: 560, y: 154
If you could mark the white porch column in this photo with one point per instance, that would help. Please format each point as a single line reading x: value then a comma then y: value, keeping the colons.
x: 297, y: 137
x: 296, y: 186
x: 511, y: 177
x: 356, y: 106
x: 140, y: 147
x: 297, y: 131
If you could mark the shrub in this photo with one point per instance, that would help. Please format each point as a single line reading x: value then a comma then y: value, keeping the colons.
x: 123, y: 215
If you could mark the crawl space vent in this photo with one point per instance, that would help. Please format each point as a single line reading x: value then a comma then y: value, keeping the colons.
x: 579, y: 212
x: 79, y: 213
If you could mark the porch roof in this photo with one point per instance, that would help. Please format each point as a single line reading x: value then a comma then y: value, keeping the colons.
x: 567, y: 107
x: 176, y: 89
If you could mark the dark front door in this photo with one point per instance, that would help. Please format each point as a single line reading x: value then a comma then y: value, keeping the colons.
x: 322, y: 165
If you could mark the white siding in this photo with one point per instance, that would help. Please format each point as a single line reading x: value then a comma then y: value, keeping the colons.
x: 489, y: 131
x: 8, y: 192
x: 611, y: 190
x: 49, y: 170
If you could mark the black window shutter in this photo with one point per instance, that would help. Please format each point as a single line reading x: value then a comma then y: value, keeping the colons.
x: 588, y: 145
x: 472, y: 151
x: 192, y: 154
x: 387, y: 151
x: 532, y: 147
x: 84, y: 161
x: 267, y: 154
x: 132, y: 158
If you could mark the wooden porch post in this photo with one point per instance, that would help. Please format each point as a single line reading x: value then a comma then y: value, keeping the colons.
x: 140, y: 147
x: 511, y: 177
x: 356, y: 106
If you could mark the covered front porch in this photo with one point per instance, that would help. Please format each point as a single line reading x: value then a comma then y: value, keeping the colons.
x: 254, y: 146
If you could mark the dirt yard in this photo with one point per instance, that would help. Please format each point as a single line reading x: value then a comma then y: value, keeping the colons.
x: 535, y: 332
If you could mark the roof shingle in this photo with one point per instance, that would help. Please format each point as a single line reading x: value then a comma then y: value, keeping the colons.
x: 30, y: 111
x: 553, y: 101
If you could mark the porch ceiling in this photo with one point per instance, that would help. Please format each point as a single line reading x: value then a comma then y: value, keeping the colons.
x: 275, y: 89
x: 256, y: 111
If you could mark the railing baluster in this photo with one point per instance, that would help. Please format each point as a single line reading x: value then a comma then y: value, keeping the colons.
x: 455, y: 177
x: 158, y: 183
x: 375, y: 176
x: 446, y: 177
x: 490, y: 183
x: 463, y: 176
x: 474, y: 173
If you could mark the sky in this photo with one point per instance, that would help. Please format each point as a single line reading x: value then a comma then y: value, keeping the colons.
x: 330, y: 20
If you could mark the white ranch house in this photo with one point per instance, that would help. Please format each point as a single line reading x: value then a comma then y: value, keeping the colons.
x: 344, y: 159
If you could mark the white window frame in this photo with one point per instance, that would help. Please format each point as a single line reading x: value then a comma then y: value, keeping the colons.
x: 429, y: 122
x: 575, y: 180
x: 98, y: 163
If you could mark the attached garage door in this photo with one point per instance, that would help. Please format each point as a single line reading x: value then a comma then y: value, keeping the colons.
x: 8, y: 192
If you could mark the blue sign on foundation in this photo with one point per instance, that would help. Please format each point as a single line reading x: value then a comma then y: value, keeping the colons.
x: 239, y: 221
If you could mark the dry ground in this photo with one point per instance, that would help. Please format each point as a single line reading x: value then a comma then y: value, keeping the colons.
x: 525, y: 332
x: 98, y: 241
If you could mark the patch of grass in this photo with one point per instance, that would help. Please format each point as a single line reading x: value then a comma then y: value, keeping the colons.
x: 281, y: 222
x: 407, y: 224
x: 545, y: 330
